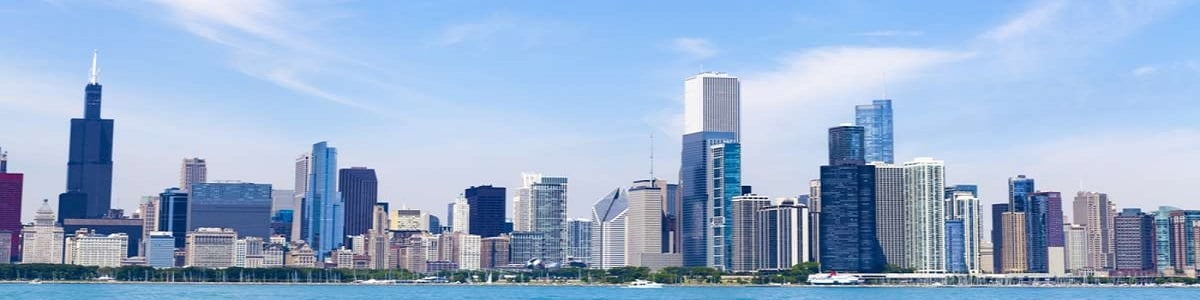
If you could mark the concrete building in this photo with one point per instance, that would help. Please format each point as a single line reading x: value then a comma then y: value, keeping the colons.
x: 461, y: 248
x: 194, y: 170
x: 924, y: 187
x: 460, y: 215
x: 494, y: 252
x: 248, y: 252
x: 211, y: 248
x: 890, y: 213
x: 964, y: 207
x: 644, y: 221
x: 160, y: 250
x: 148, y: 209
x: 1134, y: 242
x: 1014, y: 258
x: 747, y: 231
x: 1095, y: 213
x: 986, y: 255
x: 43, y: 240
x: 782, y: 235
x: 86, y: 248
x: 579, y: 241
x: 1076, y: 250
x: 609, y: 216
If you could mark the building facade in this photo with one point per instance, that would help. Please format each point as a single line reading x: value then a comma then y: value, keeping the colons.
x: 487, y: 212
x: 891, y: 213
x: 192, y: 171
x: 494, y: 252
x: 323, y: 208
x: 160, y: 249
x: 460, y: 215
x: 1095, y: 212
x: 1134, y: 242
x: 782, y: 235
x: 243, y: 207
x: 43, y: 240
x: 876, y: 118
x: 847, y: 221
x: 1076, y: 247
x: 964, y: 206
x: 747, y: 232
x: 360, y: 191
x: 89, y: 163
x: 211, y: 248
x: 924, y: 188
x: 579, y: 241
x: 644, y: 221
x: 11, y: 186
x: 1014, y: 259
x: 549, y: 199
x: 712, y: 116
x: 87, y: 248
x: 609, y: 216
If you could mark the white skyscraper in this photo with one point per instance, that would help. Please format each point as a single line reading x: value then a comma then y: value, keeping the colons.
x: 522, y: 206
x: 461, y: 214
x: 924, y: 187
x: 643, y: 230
x: 746, y: 232
x: 303, y: 164
x: 890, y: 212
x: 712, y: 102
x: 1077, y: 247
x: 609, y: 216
x: 194, y: 170
x: 43, y: 240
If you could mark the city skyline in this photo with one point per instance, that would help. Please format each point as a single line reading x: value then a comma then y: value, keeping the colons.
x: 918, y: 80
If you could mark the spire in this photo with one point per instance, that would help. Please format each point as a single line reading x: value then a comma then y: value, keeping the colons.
x: 884, y: 86
x: 3, y: 161
x: 94, y: 76
x: 652, y: 158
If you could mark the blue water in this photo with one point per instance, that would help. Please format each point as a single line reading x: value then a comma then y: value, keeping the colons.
x: 298, y: 292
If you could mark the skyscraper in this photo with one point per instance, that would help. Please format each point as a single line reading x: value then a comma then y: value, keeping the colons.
x: 89, y: 164
x: 712, y: 116
x: 522, y: 203
x: 1134, y: 242
x: 173, y: 214
x: 242, y: 207
x: 998, y: 210
x: 43, y: 240
x: 965, y: 207
x: 460, y: 215
x: 1044, y: 213
x: 609, y: 216
x: 1019, y: 190
x: 848, y: 241
x: 487, y: 210
x: 11, y: 185
x: 579, y: 241
x: 1014, y: 259
x: 643, y: 231
x: 746, y: 232
x: 324, y: 209
x: 1162, y: 240
x: 194, y: 170
x: 1183, y: 241
x: 360, y: 190
x: 890, y: 213
x: 1095, y: 212
x: 1076, y: 248
x: 724, y: 169
x: 924, y: 187
x: 548, y: 197
x: 876, y: 118
x: 782, y: 235
x: 300, y: 190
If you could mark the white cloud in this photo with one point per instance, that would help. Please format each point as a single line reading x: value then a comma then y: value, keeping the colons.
x: 1143, y: 71
x: 501, y: 28
x: 694, y: 48
x: 893, y: 33
x: 1028, y: 21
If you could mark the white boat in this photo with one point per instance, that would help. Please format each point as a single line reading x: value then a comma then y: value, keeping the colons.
x: 105, y: 278
x: 643, y: 284
x: 833, y: 278
x: 35, y: 281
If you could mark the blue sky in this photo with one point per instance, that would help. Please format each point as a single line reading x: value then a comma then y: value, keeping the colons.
x: 441, y: 95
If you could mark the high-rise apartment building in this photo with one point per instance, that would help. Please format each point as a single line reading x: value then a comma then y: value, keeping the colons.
x: 848, y: 241
x: 746, y: 232
x: 579, y: 241
x: 43, y: 240
x: 725, y: 171
x: 460, y: 248
x: 1134, y: 242
x: 876, y: 118
x: 494, y: 252
x: 194, y: 170
x: 487, y: 211
x: 609, y: 216
x: 1076, y: 248
x: 964, y: 206
x: 523, y: 204
x: 1095, y: 212
x: 460, y: 215
x: 549, y: 199
x: 360, y: 191
x: 644, y: 222
x: 924, y: 188
x: 890, y: 213
x: 998, y: 230
x: 1014, y: 259
x: 1043, y: 211
x: 89, y: 163
x: 782, y: 235
x: 243, y: 207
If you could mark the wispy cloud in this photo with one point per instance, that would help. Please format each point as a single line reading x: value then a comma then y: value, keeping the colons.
x: 893, y: 33
x: 509, y: 29
x: 1030, y: 20
x: 694, y: 48
x: 1143, y: 71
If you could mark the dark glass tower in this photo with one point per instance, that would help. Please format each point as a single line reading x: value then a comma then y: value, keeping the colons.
x: 876, y: 118
x: 89, y: 163
x: 694, y: 194
x: 998, y: 210
x: 360, y: 190
x: 848, y: 240
x: 487, y: 211
x: 173, y: 213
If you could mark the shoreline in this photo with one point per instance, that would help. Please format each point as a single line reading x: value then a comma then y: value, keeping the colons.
x: 600, y: 285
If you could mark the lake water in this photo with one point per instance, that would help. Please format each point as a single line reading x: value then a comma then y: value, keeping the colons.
x: 298, y: 292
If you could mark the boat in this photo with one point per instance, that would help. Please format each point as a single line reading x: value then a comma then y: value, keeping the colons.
x: 833, y: 278
x: 35, y: 281
x: 105, y: 278
x: 643, y: 284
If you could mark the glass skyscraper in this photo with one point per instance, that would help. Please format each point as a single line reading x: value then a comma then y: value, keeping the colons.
x: 712, y: 116
x: 955, y: 247
x: 694, y: 192
x: 487, y: 212
x: 876, y: 118
x: 173, y: 213
x: 549, y: 199
x: 243, y: 207
x: 848, y: 241
x: 323, y: 204
x: 725, y: 171
x: 360, y: 191
x: 89, y: 164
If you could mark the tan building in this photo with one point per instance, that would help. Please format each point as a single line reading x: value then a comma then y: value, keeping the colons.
x: 43, y: 240
x: 211, y: 248
x: 301, y: 256
x: 493, y: 252
x: 987, y: 263
x: 1014, y: 258
x: 86, y: 248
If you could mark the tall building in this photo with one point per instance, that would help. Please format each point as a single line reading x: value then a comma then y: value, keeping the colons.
x: 528, y: 245
x: 131, y: 228
x: 609, y: 216
x: 549, y: 199
x: 1076, y: 248
x: 891, y: 213
x: 282, y: 200
x: 300, y: 190
x: 1134, y: 242
x: 1014, y: 259
x: 924, y: 188
x: 194, y: 170
x: 460, y: 248
x: 323, y: 208
x: 523, y: 204
x: 964, y: 206
x: 87, y: 248
x: 746, y: 232
x: 579, y: 241
x: 848, y: 241
x: 712, y: 117
x: 1162, y: 240
x: 43, y: 240
x: 1095, y: 212
x: 876, y: 118
x: 1044, y: 213
x: 173, y: 214
x: 360, y: 192
x: 494, y: 253
x: 487, y: 211
x: 211, y: 248
x: 782, y: 235
x: 242, y: 207
x: 460, y: 215
x: 1183, y: 240
x: 11, y: 185
x: 814, y: 211
x: 998, y: 210
x: 160, y: 250
x: 1019, y: 190
x: 725, y: 171
x: 409, y: 220
x: 644, y: 227
x: 148, y: 209
x: 89, y: 163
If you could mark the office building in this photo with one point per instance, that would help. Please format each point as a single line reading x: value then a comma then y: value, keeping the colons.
x: 1182, y: 239
x: 724, y: 168
x: 160, y: 250
x: 487, y: 212
x: 746, y: 232
x: 494, y: 253
x: 782, y: 235
x: 998, y: 210
x: 876, y: 119
x: 1014, y: 259
x: 243, y: 207
x: 360, y: 191
x: 924, y: 188
x: 1095, y: 213
x: 522, y: 203
x: 194, y: 170
x: 609, y: 216
x: 1134, y: 242
x: 1044, y: 210
x: 712, y: 117
x: 549, y: 199
x: 173, y: 214
x: 89, y: 163
x: 87, y: 248
x: 43, y: 240
x: 300, y: 191
x: 848, y: 241
x: 211, y: 248
x: 11, y: 185
x: 965, y: 207
x: 323, y: 207
x: 890, y: 212
x: 148, y: 209
x: 814, y: 211
x: 1163, y: 256
x: 1019, y: 190
x: 1076, y: 248
x: 460, y: 215
x: 527, y: 246
x: 644, y: 221
x: 579, y: 241
x: 131, y: 228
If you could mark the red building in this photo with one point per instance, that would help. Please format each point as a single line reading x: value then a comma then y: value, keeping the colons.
x: 10, y: 209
